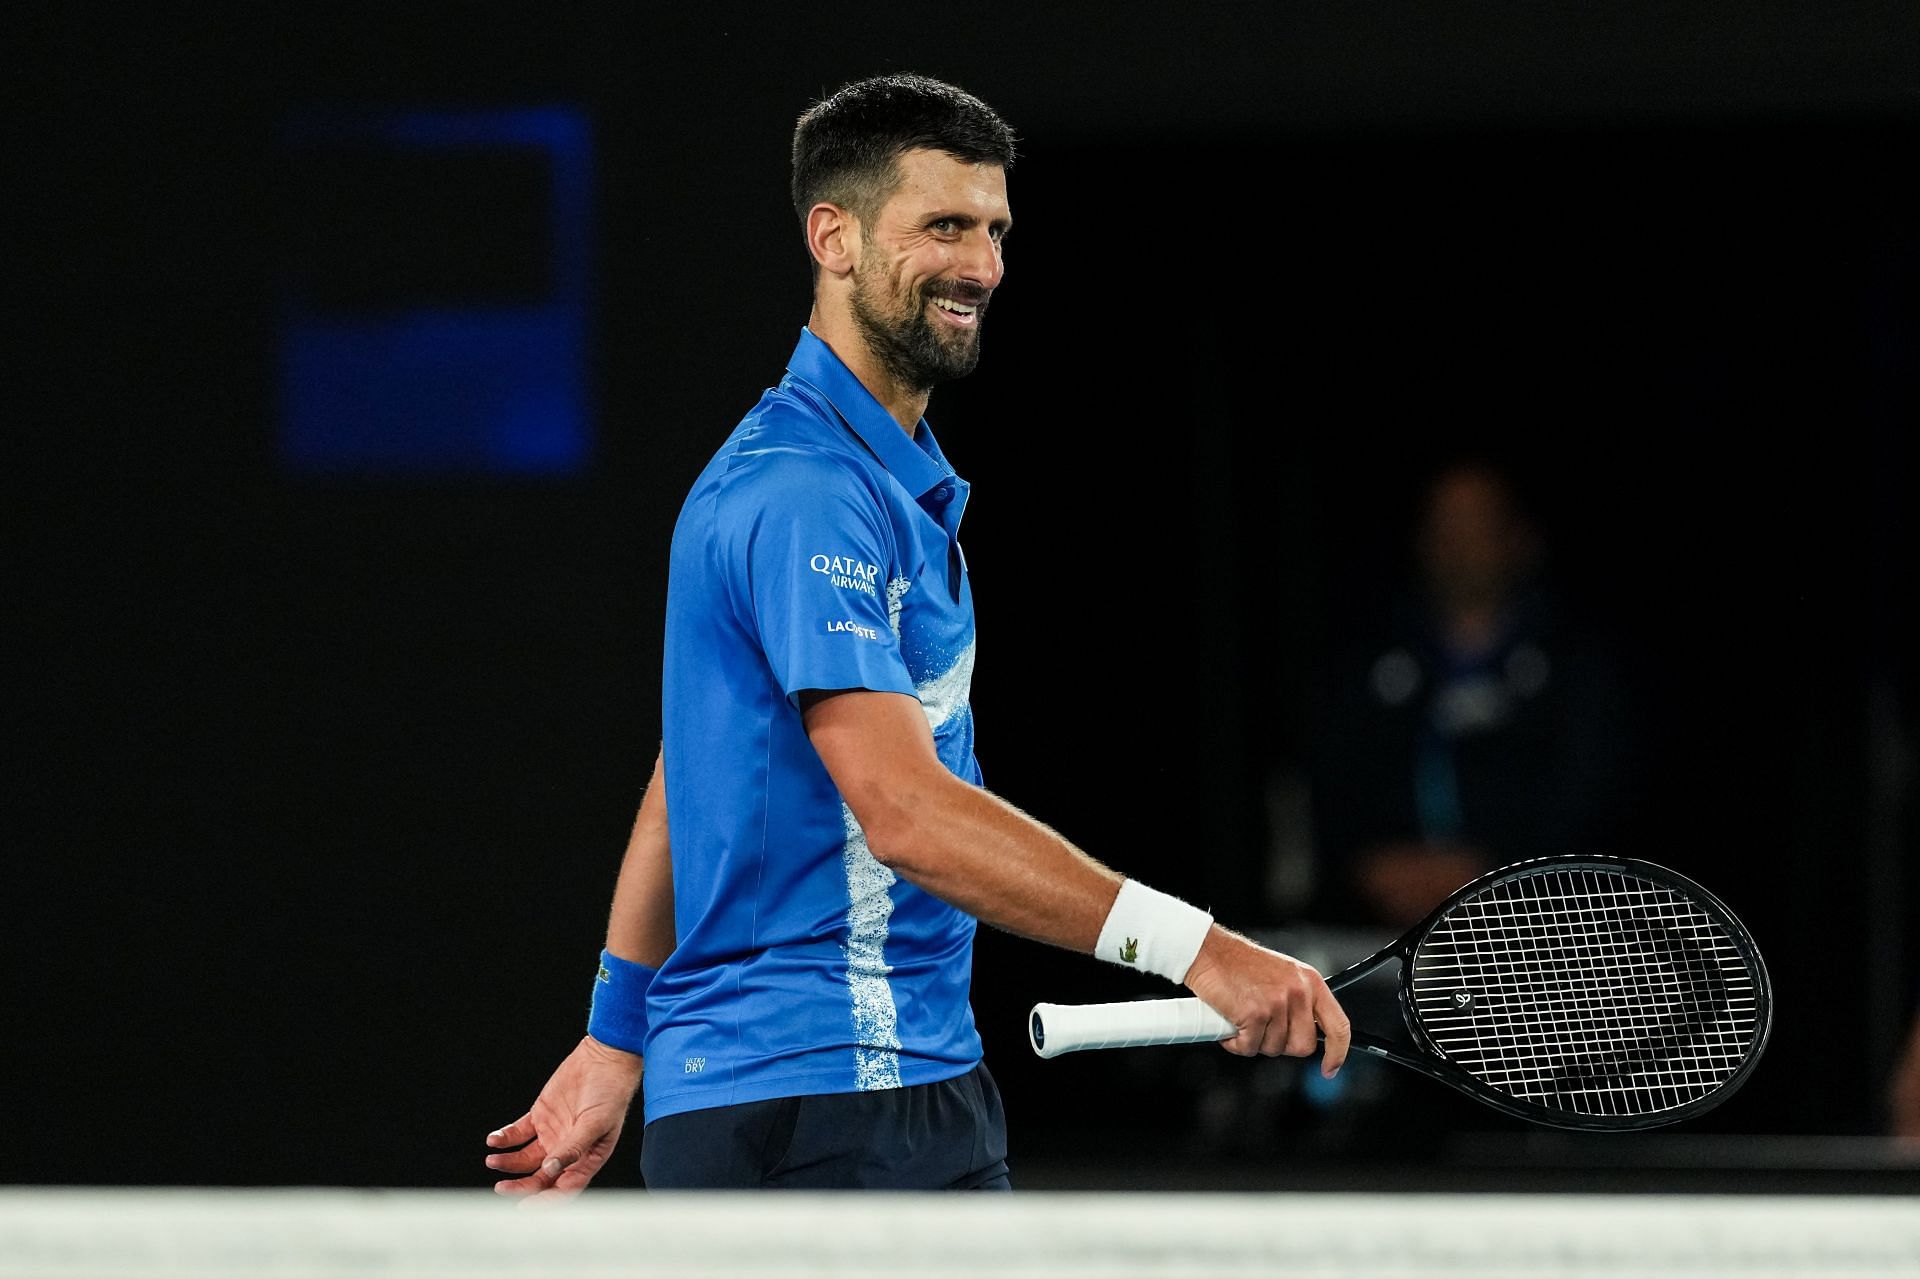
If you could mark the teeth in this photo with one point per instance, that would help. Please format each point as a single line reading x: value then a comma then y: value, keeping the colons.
x: 958, y: 308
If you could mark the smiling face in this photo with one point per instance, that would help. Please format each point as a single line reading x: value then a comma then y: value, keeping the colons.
x: 929, y: 262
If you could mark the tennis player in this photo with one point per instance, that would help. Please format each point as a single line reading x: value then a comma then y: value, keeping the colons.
x: 791, y: 939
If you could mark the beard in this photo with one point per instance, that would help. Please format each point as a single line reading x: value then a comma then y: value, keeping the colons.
x: 916, y: 352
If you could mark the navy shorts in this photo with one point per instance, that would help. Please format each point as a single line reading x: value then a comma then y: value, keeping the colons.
x: 946, y: 1136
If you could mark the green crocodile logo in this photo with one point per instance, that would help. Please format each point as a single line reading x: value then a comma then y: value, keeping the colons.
x: 604, y: 975
x: 1130, y: 953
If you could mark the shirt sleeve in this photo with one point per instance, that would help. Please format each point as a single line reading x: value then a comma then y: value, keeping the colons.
x: 813, y: 555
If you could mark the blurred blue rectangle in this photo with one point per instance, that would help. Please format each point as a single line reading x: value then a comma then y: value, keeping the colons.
x: 433, y: 293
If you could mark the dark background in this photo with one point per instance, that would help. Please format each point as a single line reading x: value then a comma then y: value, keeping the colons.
x: 321, y: 784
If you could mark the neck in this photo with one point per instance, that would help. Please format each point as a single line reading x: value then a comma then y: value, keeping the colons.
x: 905, y: 405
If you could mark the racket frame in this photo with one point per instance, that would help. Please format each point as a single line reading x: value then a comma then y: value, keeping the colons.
x: 1420, y: 1053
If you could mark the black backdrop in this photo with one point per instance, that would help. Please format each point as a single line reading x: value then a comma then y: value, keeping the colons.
x: 322, y: 784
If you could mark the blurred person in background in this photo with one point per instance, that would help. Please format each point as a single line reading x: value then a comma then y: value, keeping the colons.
x: 1481, y: 724
x: 1474, y: 720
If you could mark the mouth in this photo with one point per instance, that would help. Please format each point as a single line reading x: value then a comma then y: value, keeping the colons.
x: 959, y: 314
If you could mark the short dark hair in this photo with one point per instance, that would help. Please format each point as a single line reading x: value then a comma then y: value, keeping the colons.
x: 846, y: 148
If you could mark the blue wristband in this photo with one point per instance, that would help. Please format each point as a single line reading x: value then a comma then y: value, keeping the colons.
x: 618, y: 1017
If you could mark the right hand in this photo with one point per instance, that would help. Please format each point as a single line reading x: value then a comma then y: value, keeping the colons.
x: 574, y: 1124
x: 1281, y: 1005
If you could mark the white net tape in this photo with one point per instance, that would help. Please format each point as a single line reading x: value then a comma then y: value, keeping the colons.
x: 320, y: 1234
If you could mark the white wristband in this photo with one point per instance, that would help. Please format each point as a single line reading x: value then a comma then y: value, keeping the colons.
x: 1152, y: 932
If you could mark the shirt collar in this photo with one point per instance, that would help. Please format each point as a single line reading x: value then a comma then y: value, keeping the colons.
x: 917, y: 463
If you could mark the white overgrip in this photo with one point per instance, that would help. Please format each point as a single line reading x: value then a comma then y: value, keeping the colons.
x: 1063, y: 1028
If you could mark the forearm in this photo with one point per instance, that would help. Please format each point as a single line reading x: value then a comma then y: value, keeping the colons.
x: 976, y: 851
x: 980, y: 853
x: 973, y: 849
x: 640, y: 924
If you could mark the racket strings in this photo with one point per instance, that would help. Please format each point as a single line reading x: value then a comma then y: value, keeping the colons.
x: 1587, y: 990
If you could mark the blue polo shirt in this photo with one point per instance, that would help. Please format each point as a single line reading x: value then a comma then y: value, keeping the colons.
x: 817, y: 550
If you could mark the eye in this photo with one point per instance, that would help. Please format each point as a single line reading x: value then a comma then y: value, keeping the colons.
x: 944, y: 226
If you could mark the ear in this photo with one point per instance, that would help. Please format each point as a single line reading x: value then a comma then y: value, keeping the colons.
x: 833, y: 237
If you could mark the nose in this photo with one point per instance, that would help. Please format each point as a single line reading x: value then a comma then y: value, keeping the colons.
x: 981, y: 262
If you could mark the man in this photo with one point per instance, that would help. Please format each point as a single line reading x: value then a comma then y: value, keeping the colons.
x: 791, y: 938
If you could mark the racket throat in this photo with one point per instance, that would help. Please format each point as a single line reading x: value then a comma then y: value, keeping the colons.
x: 1373, y: 994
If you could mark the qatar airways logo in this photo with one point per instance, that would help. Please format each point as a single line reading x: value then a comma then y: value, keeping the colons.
x: 848, y: 575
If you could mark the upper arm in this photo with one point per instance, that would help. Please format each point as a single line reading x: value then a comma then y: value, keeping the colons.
x: 640, y: 925
x: 811, y: 553
x: 879, y: 751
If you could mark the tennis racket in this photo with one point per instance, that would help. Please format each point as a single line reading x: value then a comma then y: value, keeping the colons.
x: 1577, y: 992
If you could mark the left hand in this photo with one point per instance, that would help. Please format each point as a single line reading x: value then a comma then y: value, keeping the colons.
x: 575, y: 1122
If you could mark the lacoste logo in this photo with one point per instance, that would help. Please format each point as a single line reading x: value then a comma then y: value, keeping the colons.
x: 1130, y: 953
x: 853, y: 628
x: 605, y: 976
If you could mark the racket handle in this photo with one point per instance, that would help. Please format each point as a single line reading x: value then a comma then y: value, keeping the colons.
x: 1064, y: 1028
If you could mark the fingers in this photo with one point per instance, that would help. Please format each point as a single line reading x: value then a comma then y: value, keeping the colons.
x: 1274, y: 1041
x: 1338, y: 1030
x: 516, y: 1133
x: 566, y: 1188
x: 1289, y: 1022
x: 1303, y: 1037
x: 514, y: 1187
x: 574, y: 1179
x: 533, y: 1156
x: 528, y: 1167
x: 521, y: 1161
x: 539, y: 1188
x: 1290, y: 1033
x: 1281, y: 1006
x: 522, y: 1133
x: 560, y: 1160
x: 1271, y: 1035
